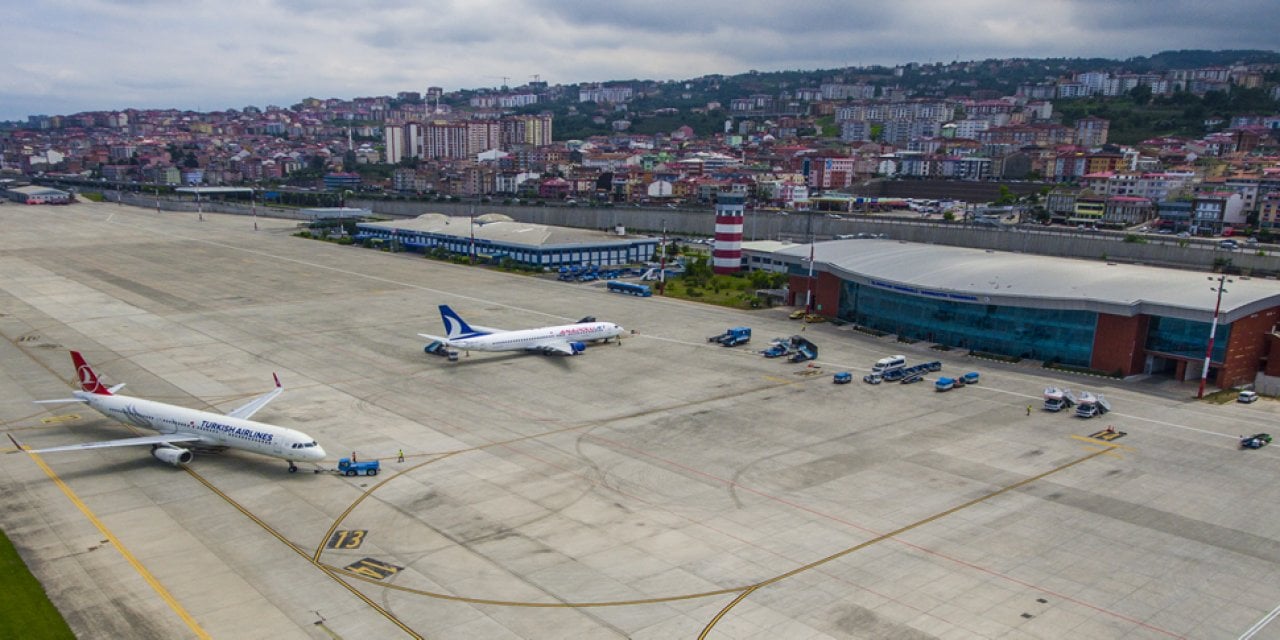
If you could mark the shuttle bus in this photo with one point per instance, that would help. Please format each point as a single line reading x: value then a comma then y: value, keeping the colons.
x: 629, y: 287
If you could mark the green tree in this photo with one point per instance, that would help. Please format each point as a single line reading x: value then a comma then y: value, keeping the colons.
x: 1141, y: 95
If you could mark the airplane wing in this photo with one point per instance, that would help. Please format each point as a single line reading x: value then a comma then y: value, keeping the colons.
x: 553, y: 346
x: 123, y: 442
x: 251, y: 407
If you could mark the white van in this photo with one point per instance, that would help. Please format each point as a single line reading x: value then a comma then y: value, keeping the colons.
x: 884, y: 365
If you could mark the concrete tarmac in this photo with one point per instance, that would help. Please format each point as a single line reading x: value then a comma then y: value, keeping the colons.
x: 662, y: 488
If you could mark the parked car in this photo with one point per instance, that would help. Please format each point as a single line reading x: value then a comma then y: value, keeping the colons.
x: 844, y: 377
x: 1247, y: 397
x: 813, y: 317
x: 797, y: 314
x: 1229, y: 245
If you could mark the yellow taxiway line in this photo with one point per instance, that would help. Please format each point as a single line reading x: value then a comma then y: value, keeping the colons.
x: 129, y: 557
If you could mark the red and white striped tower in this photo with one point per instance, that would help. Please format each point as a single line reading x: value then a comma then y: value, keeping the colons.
x: 726, y: 256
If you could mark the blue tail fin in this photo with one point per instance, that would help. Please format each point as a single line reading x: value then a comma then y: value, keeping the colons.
x: 454, y: 326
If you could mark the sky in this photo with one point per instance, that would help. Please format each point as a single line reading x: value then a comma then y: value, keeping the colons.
x: 60, y: 57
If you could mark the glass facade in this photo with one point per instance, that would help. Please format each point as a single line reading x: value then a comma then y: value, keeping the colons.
x: 1186, y: 338
x: 963, y: 321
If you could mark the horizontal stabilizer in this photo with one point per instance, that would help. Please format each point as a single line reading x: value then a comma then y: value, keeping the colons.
x: 59, y: 401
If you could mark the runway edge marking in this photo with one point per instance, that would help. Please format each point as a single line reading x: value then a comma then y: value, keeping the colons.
x: 129, y: 557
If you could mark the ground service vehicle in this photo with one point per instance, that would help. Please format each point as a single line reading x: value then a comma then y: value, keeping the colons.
x: 1247, y: 397
x: 802, y: 350
x: 369, y: 468
x: 885, y: 365
x: 632, y: 288
x: 732, y: 337
x: 1056, y: 399
x: 912, y: 378
x: 844, y: 377
x: 944, y: 384
x: 1091, y: 405
x: 872, y: 378
x: 1255, y: 441
x: 776, y: 350
x: 970, y: 378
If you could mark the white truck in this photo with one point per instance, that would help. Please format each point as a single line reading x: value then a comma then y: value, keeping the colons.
x: 885, y: 365
x: 1056, y: 399
x: 1090, y: 405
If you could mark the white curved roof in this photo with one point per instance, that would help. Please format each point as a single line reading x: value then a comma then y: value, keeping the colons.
x: 502, y: 231
x: 1015, y: 279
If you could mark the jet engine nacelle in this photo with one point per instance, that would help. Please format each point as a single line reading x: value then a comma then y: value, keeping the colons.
x: 172, y: 455
x: 578, y: 347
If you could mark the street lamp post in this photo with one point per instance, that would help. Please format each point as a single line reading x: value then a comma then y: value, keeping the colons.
x: 1213, y: 329
x: 662, y: 260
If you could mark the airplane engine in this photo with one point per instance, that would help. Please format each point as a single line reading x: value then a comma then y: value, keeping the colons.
x: 172, y: 455
x: 578, y: 347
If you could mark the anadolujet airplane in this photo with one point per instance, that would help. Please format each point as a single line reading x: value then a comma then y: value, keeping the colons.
x: 565, y: 339
x: 182, y: 426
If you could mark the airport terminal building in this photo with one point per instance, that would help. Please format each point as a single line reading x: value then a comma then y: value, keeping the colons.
x: 1114, y: 318
x: 494, y: 237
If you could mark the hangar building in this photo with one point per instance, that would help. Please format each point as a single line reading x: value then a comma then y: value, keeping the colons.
x: 33, y: 194
x: 1115, y: 318
x: 493, y: 237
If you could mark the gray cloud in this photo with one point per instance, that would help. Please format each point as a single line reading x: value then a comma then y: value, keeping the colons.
x: 73, y: 55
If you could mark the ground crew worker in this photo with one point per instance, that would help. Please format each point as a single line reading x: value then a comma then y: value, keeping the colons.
x: 400, y: 458
x: 353, y: 456
x: 1028, y: 409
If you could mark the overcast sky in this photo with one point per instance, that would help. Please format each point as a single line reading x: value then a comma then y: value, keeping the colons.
x: 66, y: 56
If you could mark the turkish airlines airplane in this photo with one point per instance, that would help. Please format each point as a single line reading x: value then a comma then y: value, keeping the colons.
x: 565, y: 339
x: 182, y: 426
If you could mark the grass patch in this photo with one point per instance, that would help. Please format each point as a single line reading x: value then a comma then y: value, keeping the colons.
x: 995, y: 356
x: 737, y: 293
x: 92, y: 196
x: 1222, y: 396
x: 1086, y: 370
x: 25, y: 610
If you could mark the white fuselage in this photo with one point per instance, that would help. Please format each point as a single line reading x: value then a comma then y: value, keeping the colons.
x: 214, y: 429
x: 534, y: 339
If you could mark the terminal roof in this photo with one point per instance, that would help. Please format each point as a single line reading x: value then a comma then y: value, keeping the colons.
x: 996, y: 277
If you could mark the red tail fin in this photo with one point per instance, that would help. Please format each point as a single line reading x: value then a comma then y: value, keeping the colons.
x: 88, y: 379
